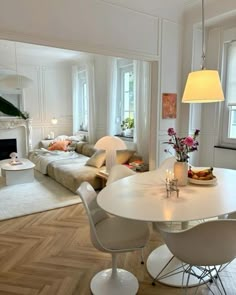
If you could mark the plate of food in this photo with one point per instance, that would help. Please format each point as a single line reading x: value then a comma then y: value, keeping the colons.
x: 202, y: 176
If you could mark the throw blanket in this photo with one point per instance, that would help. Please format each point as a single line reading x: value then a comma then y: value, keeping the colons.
x: 42, y: 157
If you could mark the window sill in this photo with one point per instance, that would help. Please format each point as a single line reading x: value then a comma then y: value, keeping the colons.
x: 125, y: 138
x: 225, y: 147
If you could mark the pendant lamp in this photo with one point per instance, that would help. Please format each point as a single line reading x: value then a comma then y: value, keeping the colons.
x: 16, y: 81
x: 203, y: 86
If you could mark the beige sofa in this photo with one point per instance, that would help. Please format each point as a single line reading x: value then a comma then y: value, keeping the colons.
x: 72, y: 168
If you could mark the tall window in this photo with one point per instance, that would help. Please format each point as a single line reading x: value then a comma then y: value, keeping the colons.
x: 125, y: 97
x: 127, y: 92
x: 229, y: 122
x: 82, y: 101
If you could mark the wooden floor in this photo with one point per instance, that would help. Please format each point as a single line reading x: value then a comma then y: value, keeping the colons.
x: 50, y: 253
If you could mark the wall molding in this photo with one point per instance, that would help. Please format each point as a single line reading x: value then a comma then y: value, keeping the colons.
x: 78, y: 46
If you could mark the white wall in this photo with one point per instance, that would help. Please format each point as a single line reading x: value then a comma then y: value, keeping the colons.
x: 171, y: 46
x: 49, y: 96
x: 85, y: 25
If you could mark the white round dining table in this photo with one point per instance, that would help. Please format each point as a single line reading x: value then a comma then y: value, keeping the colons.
x: 143, y: 197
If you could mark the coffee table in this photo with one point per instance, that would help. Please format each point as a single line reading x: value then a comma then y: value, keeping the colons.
x: 16, y: 174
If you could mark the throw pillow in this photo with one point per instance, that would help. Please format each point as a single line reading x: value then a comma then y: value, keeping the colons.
x: 79, y: 146
x: 60, y: 145
x: 88, y: 150
x: 123, y: 156
x: 72, y: 146
x: 97, y: 160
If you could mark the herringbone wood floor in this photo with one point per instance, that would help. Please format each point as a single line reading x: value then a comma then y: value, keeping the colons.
x: 50, y: 253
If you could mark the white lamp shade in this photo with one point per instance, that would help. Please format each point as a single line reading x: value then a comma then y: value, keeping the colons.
x: 110, y: 143
x: 15, y: 82
x: 203, y: 86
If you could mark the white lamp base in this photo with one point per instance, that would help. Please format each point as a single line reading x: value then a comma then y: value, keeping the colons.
x: 110, y: 160
x: 124, y: 283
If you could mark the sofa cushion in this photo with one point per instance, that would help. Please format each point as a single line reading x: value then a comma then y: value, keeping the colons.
x: 88, y: 150
x: 97, y: 160
x: 71, y: 173
x: 123, y: 156
x: 60, y: 145
x: 79, y: 146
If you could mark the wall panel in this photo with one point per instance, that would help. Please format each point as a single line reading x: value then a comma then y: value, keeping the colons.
x: 85, y: 25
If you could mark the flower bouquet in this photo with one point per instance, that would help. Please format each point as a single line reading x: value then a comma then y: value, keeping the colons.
x: 182, y: 145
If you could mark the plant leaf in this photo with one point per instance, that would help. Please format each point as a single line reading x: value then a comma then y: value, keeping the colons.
x: 9, y: 109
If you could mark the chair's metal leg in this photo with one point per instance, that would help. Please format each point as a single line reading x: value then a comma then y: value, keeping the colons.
x: 183, y: 276
x: 154, y: 280
x: 142, y: 256
x: 221, y: 283
x: 186, y: 287
x: 205, y: 273
x: 215, y: 280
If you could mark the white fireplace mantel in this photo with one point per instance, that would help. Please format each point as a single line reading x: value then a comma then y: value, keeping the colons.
x: 15, y: 122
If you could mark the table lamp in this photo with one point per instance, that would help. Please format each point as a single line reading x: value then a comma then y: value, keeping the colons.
x: 110, y: 144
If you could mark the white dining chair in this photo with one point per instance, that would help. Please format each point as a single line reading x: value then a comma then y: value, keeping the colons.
x: 112, y: 235
x: 207, y: 246
x: 168, y: 163
x: 118, y: 172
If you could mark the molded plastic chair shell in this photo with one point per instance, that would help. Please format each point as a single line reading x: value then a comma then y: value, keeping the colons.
x: 113, y: 235
x: 208, y: 243
x: 119, y: 172
x: 209, y: 246
x: 168, y: 163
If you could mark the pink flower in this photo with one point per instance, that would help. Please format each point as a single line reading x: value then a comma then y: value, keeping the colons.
x: 171, y: 132
x: 189, y: 141
x: 182, y: 145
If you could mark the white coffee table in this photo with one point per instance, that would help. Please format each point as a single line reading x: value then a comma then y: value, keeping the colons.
x: 16, y: 174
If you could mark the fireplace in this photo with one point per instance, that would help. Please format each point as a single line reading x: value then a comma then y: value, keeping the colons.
x: 18, y: 129
x: 7, y: 146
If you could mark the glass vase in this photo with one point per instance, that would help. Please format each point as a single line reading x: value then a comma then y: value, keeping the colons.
x: 181, y: 172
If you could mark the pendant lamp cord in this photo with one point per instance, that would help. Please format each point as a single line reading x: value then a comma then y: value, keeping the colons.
x: 18, y: 77
x: 203, y: 39
x: 16, y: 60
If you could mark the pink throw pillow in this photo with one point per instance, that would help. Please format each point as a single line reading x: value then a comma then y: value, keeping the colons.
x: 60, y: 145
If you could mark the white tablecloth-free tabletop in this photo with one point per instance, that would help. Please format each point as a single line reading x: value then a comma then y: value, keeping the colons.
x: 143, y: 197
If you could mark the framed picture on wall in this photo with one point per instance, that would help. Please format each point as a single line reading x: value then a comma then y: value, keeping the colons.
x: 169, y: 101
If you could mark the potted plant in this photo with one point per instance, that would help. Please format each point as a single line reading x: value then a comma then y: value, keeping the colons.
x: 127, y: 126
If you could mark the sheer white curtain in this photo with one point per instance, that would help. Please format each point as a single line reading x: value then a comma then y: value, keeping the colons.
x: 89, y: 66
x: 75, y: 86
x: 112, y: 120
x: 142, y: 93
x: 231, y: 74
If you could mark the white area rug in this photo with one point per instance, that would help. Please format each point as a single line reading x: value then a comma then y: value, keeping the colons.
x: 41, y: 195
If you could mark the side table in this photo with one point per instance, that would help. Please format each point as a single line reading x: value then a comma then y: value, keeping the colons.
x: 103, y: 178
x: 16, y: 174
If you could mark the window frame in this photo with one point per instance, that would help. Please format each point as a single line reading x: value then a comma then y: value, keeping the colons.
x: 226, y: 140
x: 124, y: 66
x: 82, y: 104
